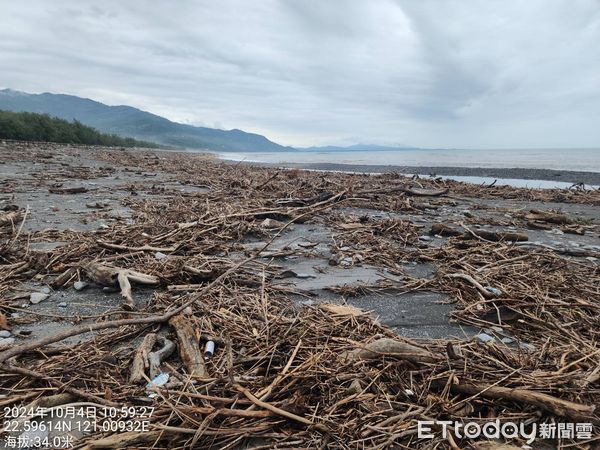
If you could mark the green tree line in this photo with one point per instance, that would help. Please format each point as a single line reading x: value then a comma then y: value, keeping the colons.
x: 26, y: 126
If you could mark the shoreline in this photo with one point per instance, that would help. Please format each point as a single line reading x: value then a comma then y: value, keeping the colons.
x: 515, y: 173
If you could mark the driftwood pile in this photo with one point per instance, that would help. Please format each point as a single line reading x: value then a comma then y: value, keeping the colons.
x: 288, y: 376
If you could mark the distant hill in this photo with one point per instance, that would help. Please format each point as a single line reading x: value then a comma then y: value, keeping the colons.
x: 26, y: 126
x: 131, y: 122
x: 358, y: 148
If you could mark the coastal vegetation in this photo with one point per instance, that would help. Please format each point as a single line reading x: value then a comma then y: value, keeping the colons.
x: 27, y: 126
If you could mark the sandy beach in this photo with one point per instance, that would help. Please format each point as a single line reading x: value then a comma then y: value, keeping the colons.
x: 308, y: 283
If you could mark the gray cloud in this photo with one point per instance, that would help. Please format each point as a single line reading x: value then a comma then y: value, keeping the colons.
x: 449, y: 73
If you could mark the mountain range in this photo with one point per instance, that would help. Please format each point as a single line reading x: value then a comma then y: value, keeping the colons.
x: 358, y: 148
x: 127, y: 121
x: 132, y: 122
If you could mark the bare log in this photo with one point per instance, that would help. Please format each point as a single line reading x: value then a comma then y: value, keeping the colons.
x: 444, y: 230
x: 189, y: 349
x: 391, y: 347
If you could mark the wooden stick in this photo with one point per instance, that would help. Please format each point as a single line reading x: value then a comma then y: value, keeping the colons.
x: 30, y: 373
x: 143, y: 248
x: 486, y: 294
x: 140, y: 360
x: 17, y: 350
x: 278, y: 411
x: 128, y: 304
x: 547, y: 402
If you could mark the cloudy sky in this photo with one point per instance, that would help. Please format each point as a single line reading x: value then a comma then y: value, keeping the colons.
x: 435, y: 73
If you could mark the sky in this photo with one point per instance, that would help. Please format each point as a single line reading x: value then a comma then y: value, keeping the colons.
x: 429, y: 73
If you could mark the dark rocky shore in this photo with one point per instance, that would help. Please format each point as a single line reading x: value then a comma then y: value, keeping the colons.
x: 588, y: 178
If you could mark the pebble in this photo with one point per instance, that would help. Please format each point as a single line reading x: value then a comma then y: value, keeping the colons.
x: 484, y: 337
x: 62, y: 304
x: 45, y: 290
x: 497, y: 292
x: 347, y: 261
x: 507, y: 340
x: 37, y: 297
x: 424, y: 238
x: 80, y: 285
x: 4, y: 333
x: 305, y: 275
x: 527, y: 347
x: 160, y: 255
x: 7, y: 341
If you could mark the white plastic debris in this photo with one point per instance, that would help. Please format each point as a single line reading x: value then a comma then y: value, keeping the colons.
x: 159, y: 380
x: 160, y: 255
x: 209, y: 349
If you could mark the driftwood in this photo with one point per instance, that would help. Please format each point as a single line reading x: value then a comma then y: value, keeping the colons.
x: 143, y: 248
x: 50, y: 401
x: 132, y: 439
x: 420, y: 192
x: 391, y: 347
x: 109, y: 276
x: 73, y: 190
x: 7, y: 368
x: 548, y: 216
x: 494, y: 446
x: 189, y: 346
x: 441, y: 229
x: 553, y: 296
x: 24, y: 348
x: 497, y: 236
x: 10, y: 218
x: 157, y: 357
x: 140, y: 360
x: 494, y: 236
x: 485, y: 292
x: 554, y: 405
